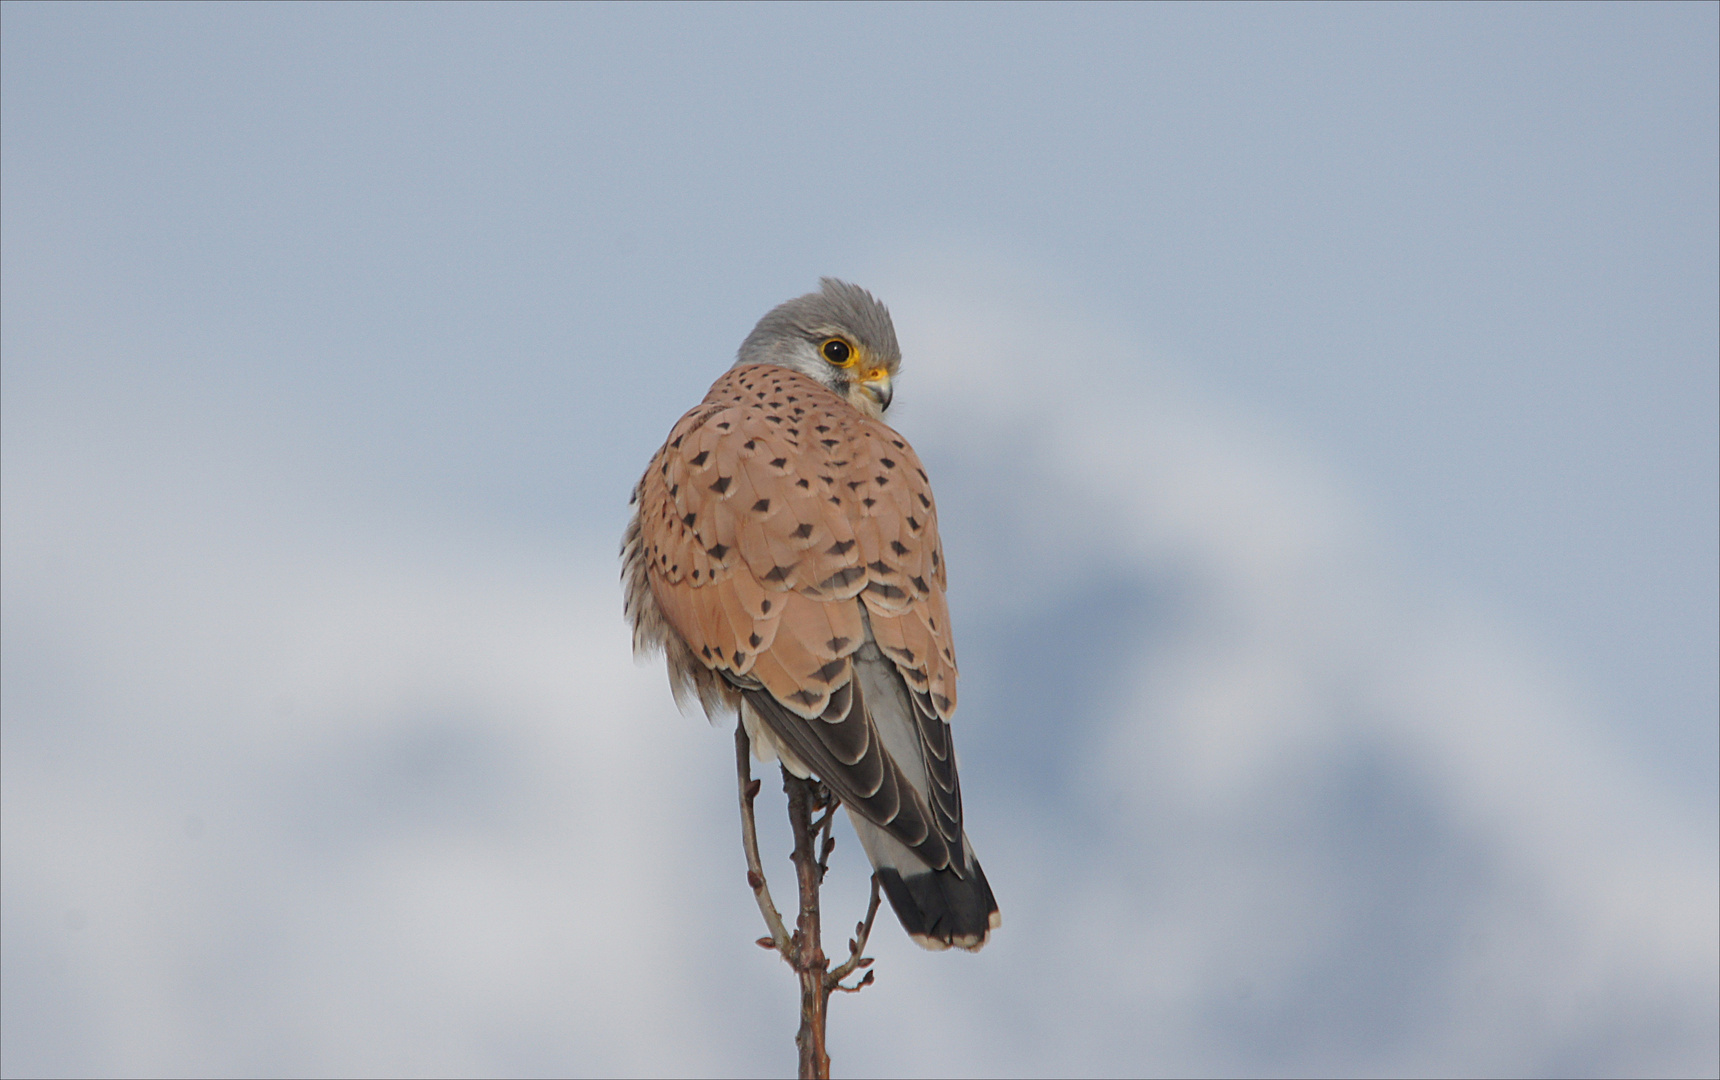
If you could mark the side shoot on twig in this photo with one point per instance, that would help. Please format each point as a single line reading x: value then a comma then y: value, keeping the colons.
x: 804, y: 949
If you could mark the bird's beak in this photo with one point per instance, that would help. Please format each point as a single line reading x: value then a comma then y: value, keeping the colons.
x: 877, y: 383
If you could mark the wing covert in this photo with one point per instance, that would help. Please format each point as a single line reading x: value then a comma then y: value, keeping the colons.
x: 780, y: 528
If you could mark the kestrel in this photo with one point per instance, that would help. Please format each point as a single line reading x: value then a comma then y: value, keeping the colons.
x: 784, y: 555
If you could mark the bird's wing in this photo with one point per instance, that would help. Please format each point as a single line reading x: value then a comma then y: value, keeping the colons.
x: 784, y: 533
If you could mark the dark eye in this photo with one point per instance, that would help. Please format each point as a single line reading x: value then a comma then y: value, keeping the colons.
x: 836, y: 351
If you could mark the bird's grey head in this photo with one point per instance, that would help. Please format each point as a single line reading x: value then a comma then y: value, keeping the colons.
x: 840, y: 335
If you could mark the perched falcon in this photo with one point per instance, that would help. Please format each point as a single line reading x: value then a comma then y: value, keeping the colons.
x: 784, y: 555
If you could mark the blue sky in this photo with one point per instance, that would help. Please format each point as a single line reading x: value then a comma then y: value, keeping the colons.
x: 1355, y: 368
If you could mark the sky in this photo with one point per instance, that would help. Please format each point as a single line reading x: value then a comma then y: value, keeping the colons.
x: 1323, y: 409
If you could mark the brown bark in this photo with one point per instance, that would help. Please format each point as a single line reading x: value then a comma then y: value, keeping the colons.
x: 778, y: 938
x: 811, y: 964
x: 804, y: 950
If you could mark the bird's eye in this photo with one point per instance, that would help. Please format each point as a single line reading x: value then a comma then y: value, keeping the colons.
x: 837, y: 352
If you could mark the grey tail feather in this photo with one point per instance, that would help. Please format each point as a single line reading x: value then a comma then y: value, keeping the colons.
x: 939, y: 909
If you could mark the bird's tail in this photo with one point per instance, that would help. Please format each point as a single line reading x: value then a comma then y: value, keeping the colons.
x: 938, y: 908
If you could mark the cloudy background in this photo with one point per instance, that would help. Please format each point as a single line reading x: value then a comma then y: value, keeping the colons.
x: 1322, y: 406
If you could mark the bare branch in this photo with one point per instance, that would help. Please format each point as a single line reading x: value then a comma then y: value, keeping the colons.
x: 856, y: 947
x: 857, y: 987
x: 803, y: 950
x: 810, y: 963
x: 823, y: 825
x: 779, y: 938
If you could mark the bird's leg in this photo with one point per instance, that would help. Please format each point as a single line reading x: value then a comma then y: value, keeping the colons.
x: 856, y: 947
x: 778, y: 939
x: 810, y: 961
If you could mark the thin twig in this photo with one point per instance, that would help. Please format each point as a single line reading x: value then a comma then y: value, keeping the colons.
x: 827, y: 843
x: 811, y: 964
x: 779, y: 939
x: 803, y: 950
x: 856, y: 947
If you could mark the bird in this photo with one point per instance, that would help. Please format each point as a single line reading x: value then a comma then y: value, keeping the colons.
x: 783, y: 554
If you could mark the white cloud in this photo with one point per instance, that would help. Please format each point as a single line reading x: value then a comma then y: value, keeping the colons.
x: 292, y: 789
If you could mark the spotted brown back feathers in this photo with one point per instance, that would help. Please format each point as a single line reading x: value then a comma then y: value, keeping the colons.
x: 775, y: 526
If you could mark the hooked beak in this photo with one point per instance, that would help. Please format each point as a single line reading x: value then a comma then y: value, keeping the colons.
x: 877, y: 384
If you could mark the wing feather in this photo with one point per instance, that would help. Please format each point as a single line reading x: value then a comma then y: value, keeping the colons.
x: 781, y: 532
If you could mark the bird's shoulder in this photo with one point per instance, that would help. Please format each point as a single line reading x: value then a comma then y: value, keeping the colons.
x: 771, y: 504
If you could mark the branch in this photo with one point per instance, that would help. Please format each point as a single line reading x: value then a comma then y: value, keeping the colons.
x: 803, y: 950
x: 779, y: 939
x: 857, y: 946
x: 810, y: 964
x: 822, y: 826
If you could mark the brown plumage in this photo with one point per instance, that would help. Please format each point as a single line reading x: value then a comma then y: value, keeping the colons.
x: 784, y: 552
